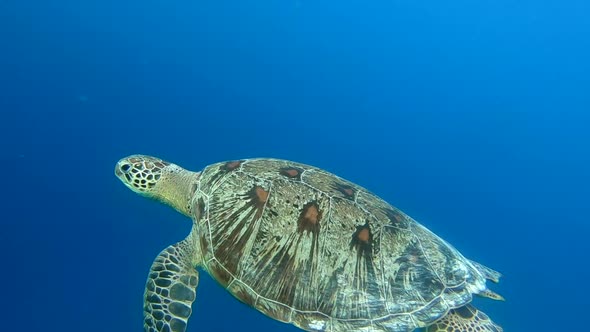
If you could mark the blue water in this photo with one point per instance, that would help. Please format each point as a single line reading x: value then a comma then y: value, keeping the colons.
x: 471, y: 116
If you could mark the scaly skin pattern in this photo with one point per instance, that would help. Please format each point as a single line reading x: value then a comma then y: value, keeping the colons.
x: 464, y: 319
x: 306, y: 247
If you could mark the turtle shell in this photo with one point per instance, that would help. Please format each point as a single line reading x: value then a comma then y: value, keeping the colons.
x: 307, y: 247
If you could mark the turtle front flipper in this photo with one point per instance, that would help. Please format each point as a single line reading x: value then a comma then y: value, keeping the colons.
x: 465, y: 319
x: 170, y: 290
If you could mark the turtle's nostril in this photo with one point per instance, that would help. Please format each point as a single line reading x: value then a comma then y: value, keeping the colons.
x: 125, y: 167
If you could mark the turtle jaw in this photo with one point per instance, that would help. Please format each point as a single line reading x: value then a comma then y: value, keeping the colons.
x: 128, y: 184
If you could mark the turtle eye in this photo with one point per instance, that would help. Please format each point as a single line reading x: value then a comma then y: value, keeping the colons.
x: 125, y: 167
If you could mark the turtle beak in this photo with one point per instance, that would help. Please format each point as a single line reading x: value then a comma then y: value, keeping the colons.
x: 118, y: 172
x: 121, y: 170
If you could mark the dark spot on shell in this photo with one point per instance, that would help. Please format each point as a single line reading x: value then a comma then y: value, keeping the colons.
x: 258, y: 198
x: 232, y: 165
x: 362, y: 239
x: 346, y: 190
x: 395, y: 217
x: 291, y: 172
x: 411, y: 255
x: 364, y: 235
x: 261, y: 194
x: 309, y: 218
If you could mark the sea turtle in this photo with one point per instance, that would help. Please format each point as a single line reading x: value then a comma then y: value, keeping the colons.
x: 306, y: 247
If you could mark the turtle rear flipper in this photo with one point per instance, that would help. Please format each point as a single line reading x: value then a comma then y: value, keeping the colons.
x: 170, y: 290
x: 487, y: 272
x: 465, y: 319
x: 491, y: 295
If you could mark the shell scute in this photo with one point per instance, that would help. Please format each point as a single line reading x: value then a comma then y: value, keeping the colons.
x: 311, y: 321
x: 243, y: 293
x: 276, y: 310
x: 220, y: 273
x: 305, y: 246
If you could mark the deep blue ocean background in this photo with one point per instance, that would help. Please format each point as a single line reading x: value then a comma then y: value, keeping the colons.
x: 471, y: 116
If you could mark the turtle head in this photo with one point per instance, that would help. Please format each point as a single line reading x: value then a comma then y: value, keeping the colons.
x: 158, y: 179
